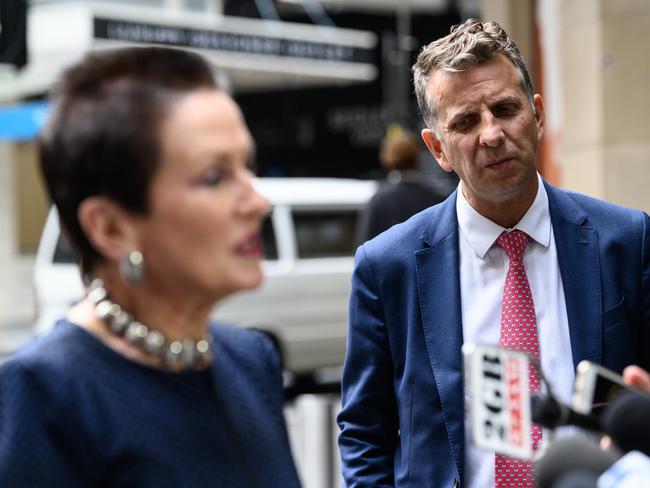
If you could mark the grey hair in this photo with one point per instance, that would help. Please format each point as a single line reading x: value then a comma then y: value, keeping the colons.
x: 466, y: 45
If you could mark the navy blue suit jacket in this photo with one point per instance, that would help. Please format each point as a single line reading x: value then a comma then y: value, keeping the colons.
x: 74, y: 413
x: 402, y: 420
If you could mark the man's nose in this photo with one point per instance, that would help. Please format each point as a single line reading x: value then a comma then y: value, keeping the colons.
x: 491, y: 132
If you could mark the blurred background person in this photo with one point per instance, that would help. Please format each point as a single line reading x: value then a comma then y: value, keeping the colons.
x: 404, y: 193
x: 146, y: 160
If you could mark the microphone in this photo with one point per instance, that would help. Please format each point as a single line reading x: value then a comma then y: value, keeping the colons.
x: 572, y: 458
x: 547, y: 411
x: 627, y: 421
x: 498, y: 399
x: 501, y: 407
x: 577, y: 479
x: 578, y: 463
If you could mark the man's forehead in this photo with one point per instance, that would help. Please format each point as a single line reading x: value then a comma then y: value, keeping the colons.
x: 492, y: 79
x: 469, y: 104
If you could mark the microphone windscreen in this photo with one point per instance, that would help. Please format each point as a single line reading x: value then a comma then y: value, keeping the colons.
x: 545, y: 410
x: 627, y: 421
x: 569, y: 455
x: 577, y: 479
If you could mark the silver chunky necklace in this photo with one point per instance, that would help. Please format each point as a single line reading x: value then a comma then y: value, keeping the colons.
x: 178, y: 355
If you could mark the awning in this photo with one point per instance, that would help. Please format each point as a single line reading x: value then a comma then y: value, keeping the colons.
x: 255, y: 54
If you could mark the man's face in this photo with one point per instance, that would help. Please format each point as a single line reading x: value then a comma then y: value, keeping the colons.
x: 487, y: 132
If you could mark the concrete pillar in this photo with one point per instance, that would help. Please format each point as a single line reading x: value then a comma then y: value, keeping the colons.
x: 22, y: 213
x: 30, y: 197
x: 605, y: 148
x: 8, y: 243
x: 8, y: 240
x: 517, y: 17
x: 16, y: 301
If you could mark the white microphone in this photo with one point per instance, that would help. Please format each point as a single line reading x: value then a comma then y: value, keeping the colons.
x: 498, y: 399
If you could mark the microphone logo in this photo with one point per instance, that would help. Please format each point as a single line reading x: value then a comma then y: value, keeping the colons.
x: 498, y: 399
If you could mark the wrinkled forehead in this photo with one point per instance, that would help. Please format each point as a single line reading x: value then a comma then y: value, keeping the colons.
x: 492, y: 79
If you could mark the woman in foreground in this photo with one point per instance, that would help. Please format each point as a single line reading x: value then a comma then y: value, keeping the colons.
x: 146, y: 160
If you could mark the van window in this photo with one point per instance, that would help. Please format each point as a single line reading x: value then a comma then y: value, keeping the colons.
x: 268, y: 240
x: 325, y: 233
x: 64, y: 252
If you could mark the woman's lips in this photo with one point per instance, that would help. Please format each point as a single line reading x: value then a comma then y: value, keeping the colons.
x: 250, y: 246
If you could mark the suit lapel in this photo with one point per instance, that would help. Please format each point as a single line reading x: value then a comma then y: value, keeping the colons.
x: 438, y: 276
x: 577, y: 251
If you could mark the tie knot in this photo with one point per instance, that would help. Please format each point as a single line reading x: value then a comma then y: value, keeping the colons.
x: 513, y: 243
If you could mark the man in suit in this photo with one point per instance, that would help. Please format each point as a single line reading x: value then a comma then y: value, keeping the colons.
x: 441, y: 279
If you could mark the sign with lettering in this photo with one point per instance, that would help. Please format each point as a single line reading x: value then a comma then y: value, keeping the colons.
x: 496, y: 387
x: 260, y: 44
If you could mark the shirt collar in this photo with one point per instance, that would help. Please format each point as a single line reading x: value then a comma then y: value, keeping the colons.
x: 481, y: 232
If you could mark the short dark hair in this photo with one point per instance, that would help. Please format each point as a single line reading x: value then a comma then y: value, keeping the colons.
x: 466, y: 45
x: 102, y: 134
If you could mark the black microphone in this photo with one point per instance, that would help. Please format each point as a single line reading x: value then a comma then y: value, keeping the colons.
x: 548, y: 412
x: 627, y: 421
x: 572, y: 458
x: 579, y: 478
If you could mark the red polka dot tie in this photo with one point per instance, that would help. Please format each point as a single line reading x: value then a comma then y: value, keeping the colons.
x: 518, y: 332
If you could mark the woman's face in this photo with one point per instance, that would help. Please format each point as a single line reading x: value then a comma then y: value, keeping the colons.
x: 201, y: 237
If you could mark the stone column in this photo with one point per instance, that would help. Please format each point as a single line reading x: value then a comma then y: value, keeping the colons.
x: 22, y: 211
x: 605, y: 148
x: 8, y: 242
x: 517, y: 17
x: 31, y: 203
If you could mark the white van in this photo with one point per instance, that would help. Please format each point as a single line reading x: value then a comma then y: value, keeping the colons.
x: 309, y: 241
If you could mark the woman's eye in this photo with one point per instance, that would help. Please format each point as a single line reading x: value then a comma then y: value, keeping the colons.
x: 212, y: 177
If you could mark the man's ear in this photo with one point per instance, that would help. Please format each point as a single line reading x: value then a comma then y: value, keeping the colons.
x: 435, y: 147
x: 107, y: 226
x: 538, y: 104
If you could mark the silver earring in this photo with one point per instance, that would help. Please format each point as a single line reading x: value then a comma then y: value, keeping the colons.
x: 132, y: 267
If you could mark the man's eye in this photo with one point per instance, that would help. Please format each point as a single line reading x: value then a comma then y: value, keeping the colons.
x: 463, y: 123
x: 506, y: 109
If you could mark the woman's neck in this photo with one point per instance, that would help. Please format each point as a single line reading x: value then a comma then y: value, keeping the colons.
x: 176, y: 318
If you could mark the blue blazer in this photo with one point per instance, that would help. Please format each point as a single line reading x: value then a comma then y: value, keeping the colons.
x: 402, y: 417
x: 74, y: 413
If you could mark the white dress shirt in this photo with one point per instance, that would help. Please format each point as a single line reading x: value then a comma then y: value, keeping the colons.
x: 483, y: 268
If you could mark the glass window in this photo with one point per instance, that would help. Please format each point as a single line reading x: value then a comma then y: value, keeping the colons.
x: 199, y: 5
x: 64, y: 252
x: 325, y: 233
x: 268, y: 240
